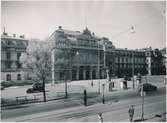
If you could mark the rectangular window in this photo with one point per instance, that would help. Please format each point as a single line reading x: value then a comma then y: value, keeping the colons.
x: 8, y: 55
x: 18, y: 56
x: 19, y: 65
x: 8, y: 64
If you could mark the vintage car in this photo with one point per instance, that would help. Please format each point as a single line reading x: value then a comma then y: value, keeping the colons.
x: 147, y: 87
x: 36, y: 87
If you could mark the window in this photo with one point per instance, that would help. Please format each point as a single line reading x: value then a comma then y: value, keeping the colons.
x: 8, y: 64
x: 8, y: 42
x: 18, y: 76
x: 8, y: 77
x: 18, y: 56
x: 19, y: 65
x: 8, y: 55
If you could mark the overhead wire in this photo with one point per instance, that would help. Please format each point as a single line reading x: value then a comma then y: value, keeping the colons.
x: 139, y: 24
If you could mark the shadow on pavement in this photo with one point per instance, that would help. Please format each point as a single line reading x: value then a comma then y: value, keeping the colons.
x: 16, y: 107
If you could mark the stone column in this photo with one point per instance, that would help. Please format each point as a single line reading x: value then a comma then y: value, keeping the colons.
x: 97, y: 73
x: 77, y: 73
x: 91, y: 70
x: 84, y: 73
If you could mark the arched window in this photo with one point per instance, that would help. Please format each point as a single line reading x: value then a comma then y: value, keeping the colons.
x: 8, y: 77
x: 18, y: 76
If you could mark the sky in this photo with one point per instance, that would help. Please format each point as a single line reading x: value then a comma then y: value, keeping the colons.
x: 111, y: 19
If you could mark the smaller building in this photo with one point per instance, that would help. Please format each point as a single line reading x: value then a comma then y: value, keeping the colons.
x: 155, y: 62
x: 11, y: 49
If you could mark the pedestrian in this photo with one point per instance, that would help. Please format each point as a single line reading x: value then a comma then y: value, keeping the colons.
x: 100, y: 117
x: 131, y: 113
x: 92, y: 83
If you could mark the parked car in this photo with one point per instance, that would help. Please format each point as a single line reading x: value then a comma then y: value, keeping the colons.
x: 36, y: 87
x: 148, y: 87
x: 2, y: 87
x: 127, y: 78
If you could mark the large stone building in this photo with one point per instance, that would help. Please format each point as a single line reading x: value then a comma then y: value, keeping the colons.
x: 80, y: 56
x: 84, y: 53
x: 11, y: 49
x: 87, y: 56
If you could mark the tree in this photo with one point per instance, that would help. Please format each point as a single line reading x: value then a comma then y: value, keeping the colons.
x: 63, y: 65
x: 63, y: 62
x: 37, y: 60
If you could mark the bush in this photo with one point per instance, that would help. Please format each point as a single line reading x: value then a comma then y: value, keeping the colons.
x: 6, y: 84
x: 16, y: 83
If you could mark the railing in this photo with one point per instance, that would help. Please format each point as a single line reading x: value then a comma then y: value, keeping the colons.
x: 29, y: 99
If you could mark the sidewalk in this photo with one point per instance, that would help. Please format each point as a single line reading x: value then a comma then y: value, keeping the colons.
x: 58, y: 90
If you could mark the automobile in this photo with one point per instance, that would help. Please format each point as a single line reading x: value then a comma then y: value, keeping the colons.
x: 148, y: 87
x: 127, y: 78
x: 36, y: 87
x: 2, y: 87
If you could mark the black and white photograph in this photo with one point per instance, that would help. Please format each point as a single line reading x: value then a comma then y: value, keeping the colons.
x: 83, y: 61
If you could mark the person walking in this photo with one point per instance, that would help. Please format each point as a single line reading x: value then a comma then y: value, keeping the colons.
x: 100, y: 117
x: 92, y: 83
x: 131, y: 113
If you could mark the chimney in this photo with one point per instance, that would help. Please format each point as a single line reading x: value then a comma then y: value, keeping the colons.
x: 21, y: 36
x: 4, y: 32
x: 60, y: 27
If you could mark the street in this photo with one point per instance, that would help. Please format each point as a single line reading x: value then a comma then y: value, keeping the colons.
x: 73, y: 109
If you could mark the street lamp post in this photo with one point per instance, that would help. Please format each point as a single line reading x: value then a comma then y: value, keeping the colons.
x: 143, y: 94
x: 66, y: 93
x: 132, y: 31
x: 103, y: 100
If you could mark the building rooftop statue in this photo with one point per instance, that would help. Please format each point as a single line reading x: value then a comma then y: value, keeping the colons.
x: 87, y: 32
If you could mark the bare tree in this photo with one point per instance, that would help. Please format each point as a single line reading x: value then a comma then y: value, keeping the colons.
x: 38, y: 60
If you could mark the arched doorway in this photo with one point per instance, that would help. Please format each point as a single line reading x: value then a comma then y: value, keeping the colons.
x: 18, y: 76
x: 8, y: 77
x: 81, y: 73
x: 94, y: 74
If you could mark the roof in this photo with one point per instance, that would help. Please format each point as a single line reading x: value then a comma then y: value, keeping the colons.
x: 77, y: 33
x: 13, y: 38
x: 69, y: 32
x: 125, y: 49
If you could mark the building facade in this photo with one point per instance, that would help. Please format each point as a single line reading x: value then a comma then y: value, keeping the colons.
x: 87, y: 56
x: 155, y: 61
x: 11, y: 49
x: 130, y: 62
x: 83, y: 53
x: 81, y: 56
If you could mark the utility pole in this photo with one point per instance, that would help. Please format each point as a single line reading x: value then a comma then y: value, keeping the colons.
x: 98, y: 69
x: 103, y: 100
x: 142, y: 116
x: 142, y: 95
x: 133, y: 69
x: 132, y: 31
